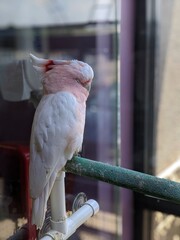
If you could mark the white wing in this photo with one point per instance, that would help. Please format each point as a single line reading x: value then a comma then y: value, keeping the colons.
x: 57, y: 132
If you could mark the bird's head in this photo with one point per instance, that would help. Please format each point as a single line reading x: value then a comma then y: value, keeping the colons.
x: 59, y: 73
x: 83, y: 73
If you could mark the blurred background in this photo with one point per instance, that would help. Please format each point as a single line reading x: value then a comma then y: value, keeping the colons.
x: 133, y: 111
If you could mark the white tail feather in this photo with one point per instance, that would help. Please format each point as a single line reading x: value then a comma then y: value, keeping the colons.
x: 40, y: 204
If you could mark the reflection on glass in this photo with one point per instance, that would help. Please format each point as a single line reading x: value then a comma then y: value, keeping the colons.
x: 61, y: 30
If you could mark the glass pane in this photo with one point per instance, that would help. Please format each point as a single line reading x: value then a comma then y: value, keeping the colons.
x: 168, y: 87
x: 168, y: 110
x: 165, y: 226
x: 87, y: 31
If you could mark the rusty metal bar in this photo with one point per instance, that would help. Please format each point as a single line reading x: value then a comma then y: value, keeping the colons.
x: 136, y: 181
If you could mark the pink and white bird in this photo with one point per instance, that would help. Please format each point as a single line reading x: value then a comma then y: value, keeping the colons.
x: 58, y: 125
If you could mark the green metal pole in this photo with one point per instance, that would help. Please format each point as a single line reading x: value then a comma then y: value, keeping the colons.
x: 136, y: 181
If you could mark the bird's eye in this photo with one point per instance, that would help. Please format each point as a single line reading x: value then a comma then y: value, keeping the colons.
x: 78, y: 80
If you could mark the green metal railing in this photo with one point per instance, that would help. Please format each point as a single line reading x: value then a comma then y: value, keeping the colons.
x: 136, y: 181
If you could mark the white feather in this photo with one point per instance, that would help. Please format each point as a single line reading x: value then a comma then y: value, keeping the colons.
x: 39, y: 69
x: 38, y: 61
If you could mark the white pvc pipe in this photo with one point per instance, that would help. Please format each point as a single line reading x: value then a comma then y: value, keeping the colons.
x: 90, y: 208
x: 58, y: 205
x: 46, y: 238
x: 53, y: 235
x: 63, y: 227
